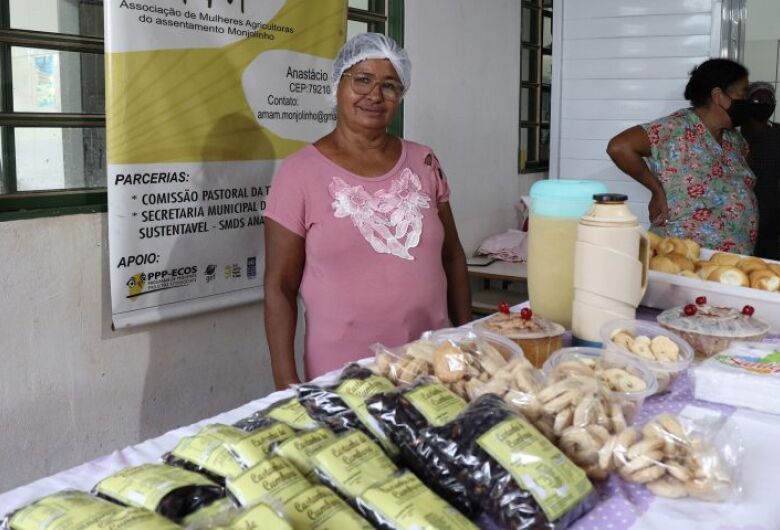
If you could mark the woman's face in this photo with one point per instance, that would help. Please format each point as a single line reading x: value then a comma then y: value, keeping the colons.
x: 376, y: 108
x: 725, y: 100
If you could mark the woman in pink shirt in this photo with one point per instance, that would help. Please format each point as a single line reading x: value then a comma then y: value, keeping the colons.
x: 360, y: 225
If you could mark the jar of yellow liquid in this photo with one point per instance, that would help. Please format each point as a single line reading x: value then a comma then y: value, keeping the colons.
x: 556, y: 208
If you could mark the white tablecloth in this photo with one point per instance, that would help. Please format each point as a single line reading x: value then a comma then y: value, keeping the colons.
x: 622, y: 506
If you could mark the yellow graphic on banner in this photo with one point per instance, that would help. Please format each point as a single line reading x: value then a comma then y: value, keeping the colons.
x: 184, y: 105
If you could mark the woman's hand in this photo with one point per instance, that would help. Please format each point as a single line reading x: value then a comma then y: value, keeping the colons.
x: 658, y: 208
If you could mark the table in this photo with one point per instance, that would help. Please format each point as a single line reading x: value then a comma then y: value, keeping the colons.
x: 485, y: 300
x: 622, y: 505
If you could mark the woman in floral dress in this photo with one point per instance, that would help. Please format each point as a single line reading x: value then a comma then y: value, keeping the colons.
x: 693, y: 162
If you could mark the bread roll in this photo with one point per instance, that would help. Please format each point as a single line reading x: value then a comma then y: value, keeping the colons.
x: 684, y: 263
x: 724, y: 258
x: 665, y: 246
x: 664, y: 264
x: 653, y: 239
x: 748, y: 265
x: 764, y: 279
x: 705, y: 271
x: 688, y: 274
x: 774, y: 267
x: 679, y: 246
x: 698, y: 264
x: 693, y: 249
x: 729, y: 276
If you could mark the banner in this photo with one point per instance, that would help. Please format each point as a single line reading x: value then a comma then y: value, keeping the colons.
x: 203, y: 99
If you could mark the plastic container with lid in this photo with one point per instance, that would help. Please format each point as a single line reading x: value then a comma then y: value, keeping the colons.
x: 665, y: 371
x: 712, y: 329
x: 605, y: 359
x: 538, y: 337
x: 556, y: 208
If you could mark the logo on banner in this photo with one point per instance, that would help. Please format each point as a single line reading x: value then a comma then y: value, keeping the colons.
x: 144, y: 283
x: 232, y: 271
x: 251, y: 267
x: 211, y: 273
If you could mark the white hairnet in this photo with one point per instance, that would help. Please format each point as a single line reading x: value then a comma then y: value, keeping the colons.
x: 371, y: 46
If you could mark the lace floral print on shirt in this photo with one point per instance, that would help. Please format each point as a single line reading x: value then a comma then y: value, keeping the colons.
x: 390, y: 220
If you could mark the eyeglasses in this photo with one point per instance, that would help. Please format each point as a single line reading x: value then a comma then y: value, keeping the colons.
x: 363, y: 84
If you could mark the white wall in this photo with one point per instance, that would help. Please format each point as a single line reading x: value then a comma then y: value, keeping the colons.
x: 71, y: 389
x: 464, y: 104
x: 624, y: 62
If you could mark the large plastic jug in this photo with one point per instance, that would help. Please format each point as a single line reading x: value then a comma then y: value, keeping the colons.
x: 556, y: 208
x: 610, y: 267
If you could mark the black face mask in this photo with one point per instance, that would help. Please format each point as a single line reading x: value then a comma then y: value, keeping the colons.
x: 762, y: 111
x: 740, y: 111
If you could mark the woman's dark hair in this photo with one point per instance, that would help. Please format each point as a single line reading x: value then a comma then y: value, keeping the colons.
x: 714, y: 73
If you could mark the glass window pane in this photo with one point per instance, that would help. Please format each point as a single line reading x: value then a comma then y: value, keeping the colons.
x: 547, y: 33
x: 528, y: 68
x: 60, y: 158
x: 544, y: 145
x: 528, y: 104
x: 548, y: 4
x: 354, y: 27
x: 529, y: 25
x: 76, y: 17
x: 527, y: 145
x: 358, y: 4
x: 547, y: 69
x: 545, y: 106
x: 57, y: 81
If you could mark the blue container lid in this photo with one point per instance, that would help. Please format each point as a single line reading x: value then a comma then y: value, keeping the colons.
x: 563, y: 197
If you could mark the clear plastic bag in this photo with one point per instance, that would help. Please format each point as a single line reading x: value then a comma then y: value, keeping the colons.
x: 170, y: 491
x: 288, y: 411
x: 510, y: 470
x: 469, y: 362
x: 404, y: 414
x: 208, y: 453
x: 676, y: 457
x: 341, y: 406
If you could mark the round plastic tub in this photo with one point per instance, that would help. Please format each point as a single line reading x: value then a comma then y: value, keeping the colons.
x: 604, y: 359
x: 537, y: 343
x: 665, y: 371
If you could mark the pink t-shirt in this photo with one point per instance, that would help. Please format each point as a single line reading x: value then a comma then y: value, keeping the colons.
x: 373, y: 269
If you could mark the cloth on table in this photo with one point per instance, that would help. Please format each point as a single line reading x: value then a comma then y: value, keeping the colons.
x: 510, y: 246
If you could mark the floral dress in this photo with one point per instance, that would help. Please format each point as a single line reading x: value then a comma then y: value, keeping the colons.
x: 708, y: 185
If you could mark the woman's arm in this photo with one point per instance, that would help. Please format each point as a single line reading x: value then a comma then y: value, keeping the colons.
x: 627, y: 150
x: 454, y: 262
x: 285, y: 256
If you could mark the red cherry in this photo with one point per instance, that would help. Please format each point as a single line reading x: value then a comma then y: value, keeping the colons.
x: 701, y: 300
x: 690, y: 310
x: 503, y: 307
x: 748, y: 310
x: 526, y: 313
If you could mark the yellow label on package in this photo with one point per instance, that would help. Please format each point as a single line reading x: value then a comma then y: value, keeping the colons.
x: 298, y: 449
x: 225, y: 433
x: 293, y: 414
x: 318, y: 508
x: 437, y: 403
x: 274, y: 478
x: 255, y: 447
x: 133, y: 519
x: 209, y: 453
x: 355, y: 392
x: 409, y: 505
x: 145, y: 486
x: 537, y: 466
x: 206, y: 514
x: 353, y: 462
x: 258, y: 517
x: 63, y: 511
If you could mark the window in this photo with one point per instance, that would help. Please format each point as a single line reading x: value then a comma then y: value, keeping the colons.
x: 379, y: 16
x: 535, y: 80
x: 52, y: 122
x: 52, y: 101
